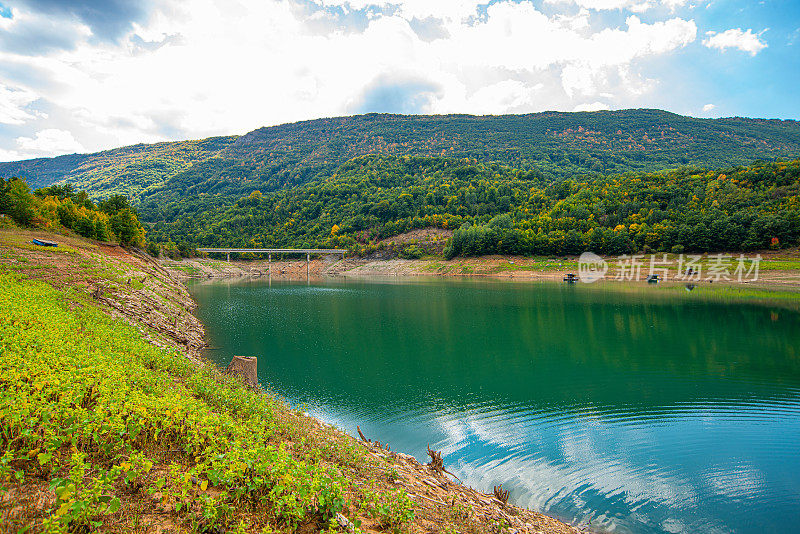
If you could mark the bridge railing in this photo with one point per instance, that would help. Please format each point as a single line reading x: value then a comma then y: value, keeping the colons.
x: 276, y: 250
x: 270, y: 251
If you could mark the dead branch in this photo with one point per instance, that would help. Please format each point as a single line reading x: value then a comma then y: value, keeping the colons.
x: 370, y: 442
x: 437, y: 463
x: 501, y: 495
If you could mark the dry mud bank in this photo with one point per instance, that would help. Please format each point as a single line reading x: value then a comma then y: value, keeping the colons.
x: 203, y: 268
x: 776, y: 270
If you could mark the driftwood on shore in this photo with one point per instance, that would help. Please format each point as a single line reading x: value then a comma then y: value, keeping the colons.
x: 384, y: 446
x: 437, y: 463
x: 501, y: 494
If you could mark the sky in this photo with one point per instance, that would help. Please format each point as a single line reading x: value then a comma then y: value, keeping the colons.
x: 88, y: 75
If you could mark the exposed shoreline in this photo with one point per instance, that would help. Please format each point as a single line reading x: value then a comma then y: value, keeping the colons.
x: 774, y: 273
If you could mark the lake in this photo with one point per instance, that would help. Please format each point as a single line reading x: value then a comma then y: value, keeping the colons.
x: 615, y: 408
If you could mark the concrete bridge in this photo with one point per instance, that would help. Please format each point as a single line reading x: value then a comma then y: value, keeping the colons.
x: 270, y: 251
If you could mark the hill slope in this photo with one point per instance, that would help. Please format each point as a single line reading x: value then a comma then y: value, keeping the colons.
x: 126, y: 170
x: 557, y: 142
x: 554, y: 144
x: 498, y: 209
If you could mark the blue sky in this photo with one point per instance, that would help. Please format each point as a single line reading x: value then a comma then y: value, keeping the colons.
x: 78, y: 76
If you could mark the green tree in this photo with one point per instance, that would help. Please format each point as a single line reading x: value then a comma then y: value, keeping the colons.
x: 21, y: 202
x: 126, y: 227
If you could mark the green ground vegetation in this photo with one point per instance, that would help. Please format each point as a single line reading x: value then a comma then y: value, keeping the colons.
x: 109, y: 424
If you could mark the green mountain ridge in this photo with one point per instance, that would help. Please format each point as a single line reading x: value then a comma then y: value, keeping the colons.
x: 557, y: 144
x: 373, y: 176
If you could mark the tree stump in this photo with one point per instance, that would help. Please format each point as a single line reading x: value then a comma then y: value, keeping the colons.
x: 246, y: 368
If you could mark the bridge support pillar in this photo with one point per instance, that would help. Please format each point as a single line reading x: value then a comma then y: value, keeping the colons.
x: 229, y: 257
x: 269, y: 264
x: 308, y: 265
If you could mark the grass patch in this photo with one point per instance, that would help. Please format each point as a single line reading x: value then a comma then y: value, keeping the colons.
x: 780, y: 265
x: 23, y: 241
x: 536, y: 264
x: 186, y: 269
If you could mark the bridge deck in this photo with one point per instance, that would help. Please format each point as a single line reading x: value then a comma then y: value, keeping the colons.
x: 277, y: 250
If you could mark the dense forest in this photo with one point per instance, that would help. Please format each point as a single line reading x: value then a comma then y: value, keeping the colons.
x: 494, y: 208
x: 557, y: 145
x: 60, y: 206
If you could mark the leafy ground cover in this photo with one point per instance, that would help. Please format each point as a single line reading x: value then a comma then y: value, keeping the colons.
x: 101, y: 418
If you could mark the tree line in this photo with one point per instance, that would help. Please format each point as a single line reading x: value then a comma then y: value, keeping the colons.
x: 60, y: 206
x: 493, y: 208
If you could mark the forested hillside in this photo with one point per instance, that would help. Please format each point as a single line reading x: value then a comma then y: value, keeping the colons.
x: 552, y: 144
x: 558, y: 143
x: 540, y: 183
x: 499, y: 209
x: 126, y: 171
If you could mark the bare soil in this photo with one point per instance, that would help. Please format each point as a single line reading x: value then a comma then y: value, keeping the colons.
x: 523, y: 268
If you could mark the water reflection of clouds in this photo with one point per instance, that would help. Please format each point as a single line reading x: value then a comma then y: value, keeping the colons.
x: 735, y: 481
x: 581, y: 470
x: 592, y: 468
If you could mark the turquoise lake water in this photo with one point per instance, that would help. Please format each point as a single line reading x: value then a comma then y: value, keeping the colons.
x: 645, y: 411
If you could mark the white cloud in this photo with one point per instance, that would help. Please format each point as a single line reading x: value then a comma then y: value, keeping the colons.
x: 502, y: 97
x: 736, y: 38
x: 673, y: 4
x: 636, y: 6
x: 49, y: 142
x: 594, y: 106
x: 13, y: 103
x: 221, y: 68
x: 10, y: 155
x: 708, y: 107
x: 452, y: 10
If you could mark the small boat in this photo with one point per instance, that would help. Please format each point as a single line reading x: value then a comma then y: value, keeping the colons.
x: 43, y: 243
x: 653, y: 279
x: 570, y: 278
